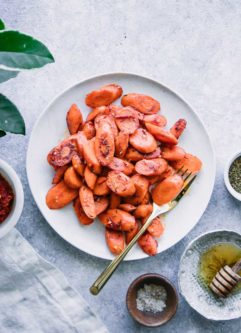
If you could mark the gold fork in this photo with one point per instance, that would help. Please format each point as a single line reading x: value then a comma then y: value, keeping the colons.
x: 157, y: 210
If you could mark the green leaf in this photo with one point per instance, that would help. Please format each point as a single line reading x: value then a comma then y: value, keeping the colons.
x: 2, y: 25
x: 22, y: 51
x: 10, y: 118
x: 2, y: 133
x: 6, y: 74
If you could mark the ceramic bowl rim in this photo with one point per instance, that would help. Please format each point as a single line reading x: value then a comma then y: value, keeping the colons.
x: 11, y: 176
x: 179, y: 278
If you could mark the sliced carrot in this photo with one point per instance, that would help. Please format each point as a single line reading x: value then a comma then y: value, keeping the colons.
x: 156, y: 228
x: 141, y: 185
x: 117, y: 219
x: 101, y: 204
x: 61, y: 154
x: 59, y: 174
x: 104, y: 119
x: 167, y: 190
x: 121, y: 165
x: 87, y: 201
x: 143, y: 211
x: 121, y: 144
x: 89, y: 130
x: 156, y: 153
x: 155, y: 119
x: 90, y: 157
x: 82, y: 217
x: 189, y: 162
x: 173, y: 153
x: 131, y: 234
x: 104, y: 144
x: 78, y: 165
x: 81, y: 141
x: 161, y: 135
x: 72, y: 179
x: 133, y: 155
x: 121, y: 184
x: 90, y: 178
x: 143, y: 141
x: 148, y: 244
x: 115, y: 241
x: 127, y: 207
x: 178, y: 128
x: 96, y: 111
x: 74, y: 119
x: 60, y: 195
x: 128, y: 125
x: 143, y: 103
x: 114, y: 200
x: 103, y: 96
x: 101, y: 187
x: 152, y: 167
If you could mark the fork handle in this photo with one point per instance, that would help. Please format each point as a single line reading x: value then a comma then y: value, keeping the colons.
x: 110, y: 269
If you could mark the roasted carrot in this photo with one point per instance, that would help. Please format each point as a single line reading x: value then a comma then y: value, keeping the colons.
x: 78, y: 165
x: 155, y: 119
x: 167, y: 190
x: 101, y: 187
x: 143, y: 103
x: 74, y: 119
x: 101, y: 204
x: 121, y: 144
x: 121, y: 184
x: 161, y: 134
x: 152, y: 167
x: 121, y: 165
x: 103, y: 96
x: 131, y: 234
x: 82, y: 217
x: 143, y: 141
x: 148, y: 244
x: 90, y: 178
x: 96, y: 111
x: 114, y: 200
x: 89, y: 130
x: 178, y: 128
x: 90, y: 157
x: 127, y: 207
x: 189, y: 162
x: 117, y: 219
x: 87, y: 201
x: 143, y: 211
x: 156, y: 228
x: 104, y: 144
x: 59, y: 174
x: 115, y: 241
x: 72, y: 179
x: 60, y: 195
x: 141, y: 185
x: 173, y: 153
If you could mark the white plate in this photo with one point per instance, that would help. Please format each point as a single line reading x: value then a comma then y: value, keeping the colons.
x: 49, y: 130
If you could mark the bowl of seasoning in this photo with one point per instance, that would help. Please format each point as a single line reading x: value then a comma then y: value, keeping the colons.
x: 11, y: 198
x: 232, y: 176
x: 152, y: 300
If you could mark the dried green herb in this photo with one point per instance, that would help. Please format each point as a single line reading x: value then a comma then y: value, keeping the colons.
x: 235, y: 174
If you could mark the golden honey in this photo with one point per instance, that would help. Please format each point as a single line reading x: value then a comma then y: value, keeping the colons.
x: 215, y: 258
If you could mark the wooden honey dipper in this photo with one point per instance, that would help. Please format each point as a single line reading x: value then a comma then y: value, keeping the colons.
x: 226, y: 279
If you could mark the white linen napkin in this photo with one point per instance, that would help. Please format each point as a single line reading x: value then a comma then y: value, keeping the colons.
x: 35, y: 297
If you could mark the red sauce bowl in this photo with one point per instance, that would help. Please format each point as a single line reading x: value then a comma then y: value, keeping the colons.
x: 12, y: 178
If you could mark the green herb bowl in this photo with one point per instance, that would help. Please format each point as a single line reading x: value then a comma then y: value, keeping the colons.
x: 229, y: 187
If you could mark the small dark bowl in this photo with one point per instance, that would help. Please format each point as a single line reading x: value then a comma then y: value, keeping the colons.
x: 148, y: 318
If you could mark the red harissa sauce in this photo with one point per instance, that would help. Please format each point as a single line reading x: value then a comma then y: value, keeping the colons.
x: 6, y: 198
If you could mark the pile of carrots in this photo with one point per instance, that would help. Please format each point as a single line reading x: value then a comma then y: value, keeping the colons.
x: 116, y: 163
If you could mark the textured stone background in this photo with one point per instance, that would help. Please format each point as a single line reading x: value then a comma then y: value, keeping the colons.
x: 193, y: 47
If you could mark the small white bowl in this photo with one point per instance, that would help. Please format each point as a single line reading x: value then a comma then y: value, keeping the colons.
x: 10, y: 175
x: 231, y: 190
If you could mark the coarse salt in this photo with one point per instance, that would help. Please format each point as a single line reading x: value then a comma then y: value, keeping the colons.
x: 151, y: 298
